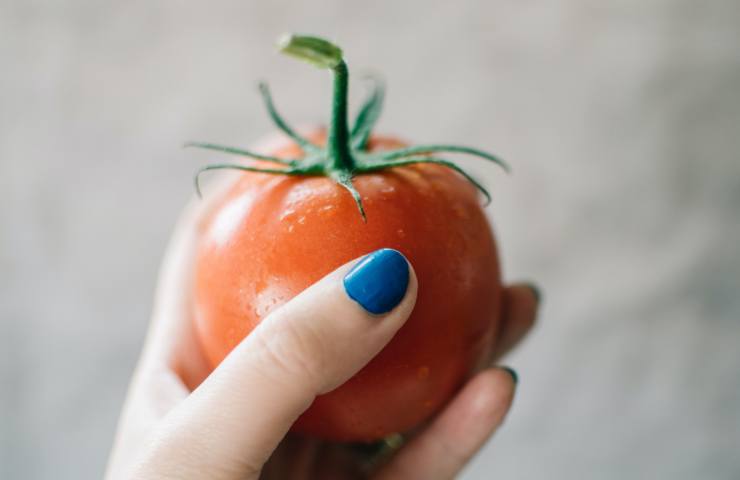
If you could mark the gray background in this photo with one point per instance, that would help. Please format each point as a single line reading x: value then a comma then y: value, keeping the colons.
x: 622, y: 122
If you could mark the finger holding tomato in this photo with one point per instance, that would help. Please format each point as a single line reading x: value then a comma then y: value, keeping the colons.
x: 326, y: 296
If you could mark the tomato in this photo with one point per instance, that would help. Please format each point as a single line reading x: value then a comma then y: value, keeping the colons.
x: 271, y: 236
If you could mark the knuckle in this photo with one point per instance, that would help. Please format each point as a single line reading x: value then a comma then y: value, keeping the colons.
x: 296, y: 352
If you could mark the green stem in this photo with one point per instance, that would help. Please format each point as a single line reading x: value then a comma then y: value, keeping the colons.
x: 324, y: 54
x: 346, y: 154
x: 337, y: 142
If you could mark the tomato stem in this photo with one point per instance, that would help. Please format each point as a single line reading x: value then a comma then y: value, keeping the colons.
x: 346, y: 153
x: 337, y: 142
x: 324, y: 54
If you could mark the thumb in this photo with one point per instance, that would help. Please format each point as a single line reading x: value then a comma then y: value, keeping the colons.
x: 231, y: 424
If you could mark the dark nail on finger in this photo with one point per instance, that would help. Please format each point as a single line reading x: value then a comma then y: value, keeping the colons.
x: 536, y: 292
x: 512, y: 372
x: 379, y: 281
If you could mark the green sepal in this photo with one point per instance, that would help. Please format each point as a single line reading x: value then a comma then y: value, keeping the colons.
x: 345, y: 154
x: 368, y: 115
x: 302, y: 142
x: 241, y: 152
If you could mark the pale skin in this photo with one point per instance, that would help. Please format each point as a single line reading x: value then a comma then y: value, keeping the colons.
x: 180, y: 421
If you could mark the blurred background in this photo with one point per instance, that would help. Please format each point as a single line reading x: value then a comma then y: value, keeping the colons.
x: 621, y: 120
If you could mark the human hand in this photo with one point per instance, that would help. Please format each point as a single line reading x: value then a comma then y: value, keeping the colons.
x: 179, y: 421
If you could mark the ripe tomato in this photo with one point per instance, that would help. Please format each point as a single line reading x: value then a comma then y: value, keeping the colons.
x: 305, y: 210
x: 270, y: 237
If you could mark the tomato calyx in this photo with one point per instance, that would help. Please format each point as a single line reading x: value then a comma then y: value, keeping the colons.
x: 346, y: 152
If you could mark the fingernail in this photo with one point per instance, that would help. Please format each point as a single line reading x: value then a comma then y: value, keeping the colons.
x: 536, y: 292
x: 378, y: 282
x: 512, y: 372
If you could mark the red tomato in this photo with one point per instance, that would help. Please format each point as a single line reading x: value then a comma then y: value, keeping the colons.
x: 272, y: 236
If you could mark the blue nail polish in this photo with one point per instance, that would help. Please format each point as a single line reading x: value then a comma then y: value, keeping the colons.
x: 379, y: 281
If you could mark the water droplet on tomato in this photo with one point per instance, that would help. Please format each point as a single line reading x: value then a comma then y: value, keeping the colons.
x: 287, y: 213
x: 326, y: 208
x: 460, y: 211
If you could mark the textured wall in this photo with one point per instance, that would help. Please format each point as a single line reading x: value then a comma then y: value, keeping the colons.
x: 621, y: 119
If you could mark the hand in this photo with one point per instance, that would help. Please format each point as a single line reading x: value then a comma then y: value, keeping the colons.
x: 234, y: 424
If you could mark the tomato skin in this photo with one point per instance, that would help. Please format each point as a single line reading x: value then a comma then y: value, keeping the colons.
x: 270, y: 237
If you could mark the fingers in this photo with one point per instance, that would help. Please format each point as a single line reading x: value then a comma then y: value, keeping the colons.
x: 521, y: 303
x: 451, y: 440
x: 310, y: 345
